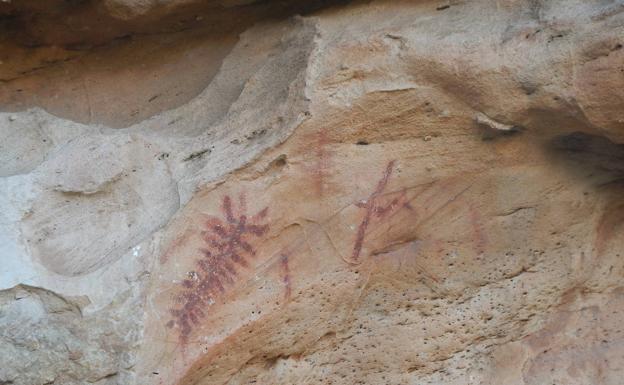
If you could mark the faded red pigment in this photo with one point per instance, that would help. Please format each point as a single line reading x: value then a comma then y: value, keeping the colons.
x: 373, y: 209
x: 286, y: 276
x: 227, y: 249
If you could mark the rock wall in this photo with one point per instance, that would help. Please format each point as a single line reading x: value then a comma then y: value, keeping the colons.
x: 380, y: 192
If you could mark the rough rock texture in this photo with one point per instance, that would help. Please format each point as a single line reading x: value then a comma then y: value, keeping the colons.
x: 240, y: 192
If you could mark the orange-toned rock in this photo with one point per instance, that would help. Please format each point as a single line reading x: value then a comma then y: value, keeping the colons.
x: 393, y: 192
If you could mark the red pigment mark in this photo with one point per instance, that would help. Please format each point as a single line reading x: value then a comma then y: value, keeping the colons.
x: 316, y: 143
x: 286, y: 276
x: 372, y: 207
x: 479, y: 235
x: 322, y: 160
x: 174, y: 246
x: 227, y: 248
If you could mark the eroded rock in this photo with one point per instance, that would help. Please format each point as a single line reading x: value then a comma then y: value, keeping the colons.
x: 46, y: 339
x: 370, y: 193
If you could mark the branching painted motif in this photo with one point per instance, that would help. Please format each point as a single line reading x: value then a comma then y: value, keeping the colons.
x: 228, y: 248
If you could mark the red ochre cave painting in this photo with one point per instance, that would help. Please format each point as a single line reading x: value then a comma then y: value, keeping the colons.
x: 373, y: 208
x: 285, y: 276
x: 227, y: 249
x: 318, y: 144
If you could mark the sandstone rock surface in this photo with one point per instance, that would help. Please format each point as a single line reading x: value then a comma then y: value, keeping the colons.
x: 243, y: 192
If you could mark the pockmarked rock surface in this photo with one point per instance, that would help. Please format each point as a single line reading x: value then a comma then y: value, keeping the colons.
x: 242, y: 192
